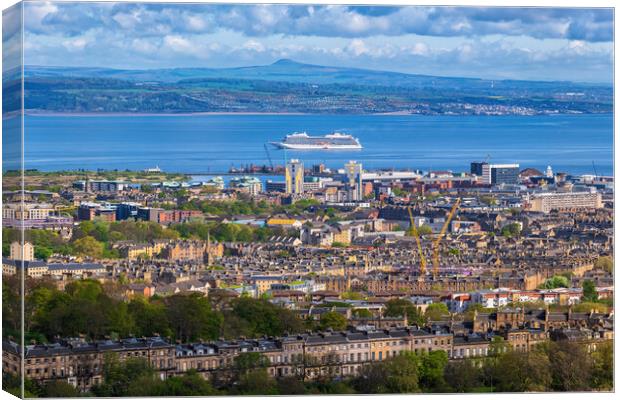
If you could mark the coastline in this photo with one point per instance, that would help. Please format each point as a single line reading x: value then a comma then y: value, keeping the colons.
x: 122, y: 114
x: 256, y: 113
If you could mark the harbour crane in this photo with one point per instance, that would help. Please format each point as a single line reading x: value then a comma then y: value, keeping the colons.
x: 269, y: 157
x: 595, y: 173
x: 416, y: 235
x: 442, y: 233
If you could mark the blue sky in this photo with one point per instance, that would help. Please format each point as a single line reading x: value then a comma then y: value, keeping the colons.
x: 513, y: 43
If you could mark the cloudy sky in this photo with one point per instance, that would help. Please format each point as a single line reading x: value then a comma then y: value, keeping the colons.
x: 539, y: 43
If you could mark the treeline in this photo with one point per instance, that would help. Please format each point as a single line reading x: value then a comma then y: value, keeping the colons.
x: 97, y: 310
x: 96, y: 238
x: 248, y: 207
x: 555, y: 366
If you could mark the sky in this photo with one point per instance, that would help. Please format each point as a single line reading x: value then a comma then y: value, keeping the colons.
x: 494, y: 43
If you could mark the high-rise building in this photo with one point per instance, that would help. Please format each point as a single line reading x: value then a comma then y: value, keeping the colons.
x: 294, y: 177
x: 353, y: 171
x: 476, y: 167
x: 495, y: 174
x: 504, y: 173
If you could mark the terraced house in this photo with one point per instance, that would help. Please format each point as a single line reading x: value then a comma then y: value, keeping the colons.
x: 310, y: 354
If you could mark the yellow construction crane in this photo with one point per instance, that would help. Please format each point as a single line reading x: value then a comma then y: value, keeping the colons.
x: 416, y: 235
x: 437, y: 241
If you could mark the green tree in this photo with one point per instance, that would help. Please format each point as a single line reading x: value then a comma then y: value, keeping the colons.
x: 362, y: 313
x: 403, y: 374
x: 59, y: 389
x: 191, y: 317
x: 511, y: 230
x: 436, y: 311
x: 42, y: 252
x: 603, y: 366
x: 349, y: 295
x: 571, y: 366
x: 189, y: 384
x: 252, y: 376
x: 291, y: 385
x: 523, y: 372
x: 150, y: 317
x: 257, y: 382
x: 462, y: 376
x: 333, y: 320
x: 88, y: 246
x: 606, y: 263
x: 402, y: 307
x: 259, y: 317
x: 396, y: 375
x: 589, y: 291
x: 498, y: 346
x: 372, y: 379
x: 557, y: 281
x: 125, y: 378
x: 431, y: 370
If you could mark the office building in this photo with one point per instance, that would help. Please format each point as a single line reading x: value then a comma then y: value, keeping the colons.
x: 126, y: 211
x: 149, y: 214
x: 476, y: 168
x: 91, y: 211
x: 495, y: 174
x: 504, y: 173
x: 294, y: 177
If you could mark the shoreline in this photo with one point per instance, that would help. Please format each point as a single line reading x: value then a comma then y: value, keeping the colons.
x: 254, y: 113
x: 130, y: 114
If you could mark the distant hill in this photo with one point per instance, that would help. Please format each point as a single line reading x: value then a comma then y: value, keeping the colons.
x: 289, y: 71
x: 290, y: 86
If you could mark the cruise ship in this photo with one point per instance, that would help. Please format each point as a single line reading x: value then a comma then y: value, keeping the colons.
x: 333, y: 141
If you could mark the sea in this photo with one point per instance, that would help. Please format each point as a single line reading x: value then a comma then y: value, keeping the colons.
x: 212, y: 144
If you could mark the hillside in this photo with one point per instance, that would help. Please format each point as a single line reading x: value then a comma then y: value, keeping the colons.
x: 289, y: 86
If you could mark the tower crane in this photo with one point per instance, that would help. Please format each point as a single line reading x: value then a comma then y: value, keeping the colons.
x: 439, y: 238
x: 416, y: 235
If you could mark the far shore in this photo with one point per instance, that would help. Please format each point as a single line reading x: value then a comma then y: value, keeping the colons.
x: 134, y: 114
x: 128, y: 114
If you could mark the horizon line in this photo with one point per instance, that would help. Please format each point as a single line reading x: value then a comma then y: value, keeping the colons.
x: 595, y: 83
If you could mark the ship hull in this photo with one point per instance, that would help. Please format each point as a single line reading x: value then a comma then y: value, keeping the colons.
x: 288, y: 146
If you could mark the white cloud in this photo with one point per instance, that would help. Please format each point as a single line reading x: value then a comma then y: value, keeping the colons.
x: 178, y: 44
x: 254, y: 46
x: 76, y: 44
x: 357, y: 47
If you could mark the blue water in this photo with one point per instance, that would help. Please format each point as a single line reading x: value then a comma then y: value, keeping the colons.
x: 213, y: 143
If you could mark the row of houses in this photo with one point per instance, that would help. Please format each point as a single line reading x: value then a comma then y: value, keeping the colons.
x: 308, y: 355
x: 38, y: 269
x: 502, y: 297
